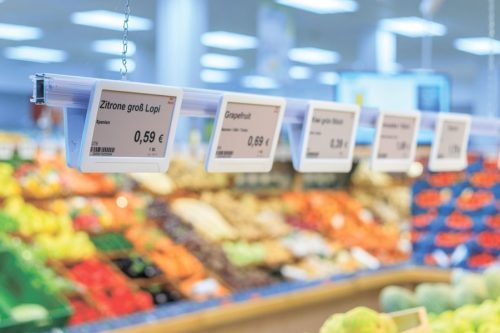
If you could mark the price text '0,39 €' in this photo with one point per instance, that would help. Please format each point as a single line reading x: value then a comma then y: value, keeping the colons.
x: 330, y: 134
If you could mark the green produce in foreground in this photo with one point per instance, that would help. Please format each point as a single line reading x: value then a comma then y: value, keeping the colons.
x: 492, y: 282
x: 394, y: 298
x: 470, y: 290
x: 359, y: 320
x: 436, y: 298
x: 7, y: 223
x: 466, y: 288
x: 483, y: 318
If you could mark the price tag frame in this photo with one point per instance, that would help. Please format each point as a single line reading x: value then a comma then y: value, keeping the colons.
x: 299, y: 140
x: 214, y: 164
x: 449, y: 164
x: 394, y: 164
x: 87, y: 163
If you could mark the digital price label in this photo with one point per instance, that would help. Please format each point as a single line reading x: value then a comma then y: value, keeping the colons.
x: 245, y: 134
x: 449, y: 148
x: 325, y: 142
x: 395, y: 141
x: 129, y: 126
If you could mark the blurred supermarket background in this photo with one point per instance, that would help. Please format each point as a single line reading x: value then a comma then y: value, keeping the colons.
x: 189, y: 251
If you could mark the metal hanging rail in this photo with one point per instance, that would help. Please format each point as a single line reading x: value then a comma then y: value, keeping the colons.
x: 74, y: 92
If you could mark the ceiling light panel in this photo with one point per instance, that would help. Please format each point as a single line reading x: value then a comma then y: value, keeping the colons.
x: 313, y: 56
x: 19, y: 32
x: 115, y: 65
x: 412, y: 27
x: 214, y: 76
x: 328, y: 78
x: 299, y: 72
x: 113, y: 46
x: 322, y: 6
x: 110, y: 20
x: 228, y: 40
x: 221, y: 61
x: 259, y: 82
x: 35, y: 54
x: 478, y: 45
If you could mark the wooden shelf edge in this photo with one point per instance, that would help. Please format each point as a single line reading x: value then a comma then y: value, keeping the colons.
x: 235, y: 312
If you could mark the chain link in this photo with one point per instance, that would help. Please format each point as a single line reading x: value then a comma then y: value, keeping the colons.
x: 124, y: 70
x: 491, y: 33
x: 492, y: 75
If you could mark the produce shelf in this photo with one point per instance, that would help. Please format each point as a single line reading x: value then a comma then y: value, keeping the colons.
x: 290, y: 307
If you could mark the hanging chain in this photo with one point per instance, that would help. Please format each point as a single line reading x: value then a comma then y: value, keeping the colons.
x: 491, y: 33
x: 492, y: 76
x: 124, y: 70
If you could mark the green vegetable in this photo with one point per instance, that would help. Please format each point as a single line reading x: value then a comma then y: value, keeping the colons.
x: 29, y: 312
x: 492, y: 282
x: 245, y: 254
x: 359, y: 320
x: 436, y: 298
x: 470, y: 290
x: 7, y: 223
x: 394, y: 298
x: 333, y: 324
x: 483, y: 318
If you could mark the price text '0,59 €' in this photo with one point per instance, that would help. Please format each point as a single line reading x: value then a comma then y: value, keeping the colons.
x: 132, y: 124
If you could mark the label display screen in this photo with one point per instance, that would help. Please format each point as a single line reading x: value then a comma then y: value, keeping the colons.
x: 247, y: 131
x: 397, y: 136
x: 132, y: 124
x: 451, y: 140
x: 330, y: 134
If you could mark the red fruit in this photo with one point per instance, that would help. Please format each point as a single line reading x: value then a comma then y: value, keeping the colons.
x: 143, y: 300
x: 493, y: 221
x: 489, y: 240
x: 423, y: 220
x: 474, y: 201
x: 451, y: 239
x: 485, y: 179
x: 480, y: 260
x: 428, y: 199
x: 444, y: 179
x: 459, y: 221
x: 86, y: 222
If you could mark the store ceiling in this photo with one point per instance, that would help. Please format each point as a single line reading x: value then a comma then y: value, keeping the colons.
x: 339, y: 32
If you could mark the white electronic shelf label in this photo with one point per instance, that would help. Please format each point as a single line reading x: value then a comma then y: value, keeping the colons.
x: 395, y: 141
x: 449, y: 148
x: 129, y: 127
x: 245, y: 134
x: 325, y: 142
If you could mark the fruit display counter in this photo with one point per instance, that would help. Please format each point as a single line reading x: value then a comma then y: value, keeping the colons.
x: 291, y: 307
x: 110, y: 246
x: 205, y: 252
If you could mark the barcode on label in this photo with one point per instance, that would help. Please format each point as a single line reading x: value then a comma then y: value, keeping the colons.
x: 224, y: 153
x: 102, y: 150
x: 312, y: 154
